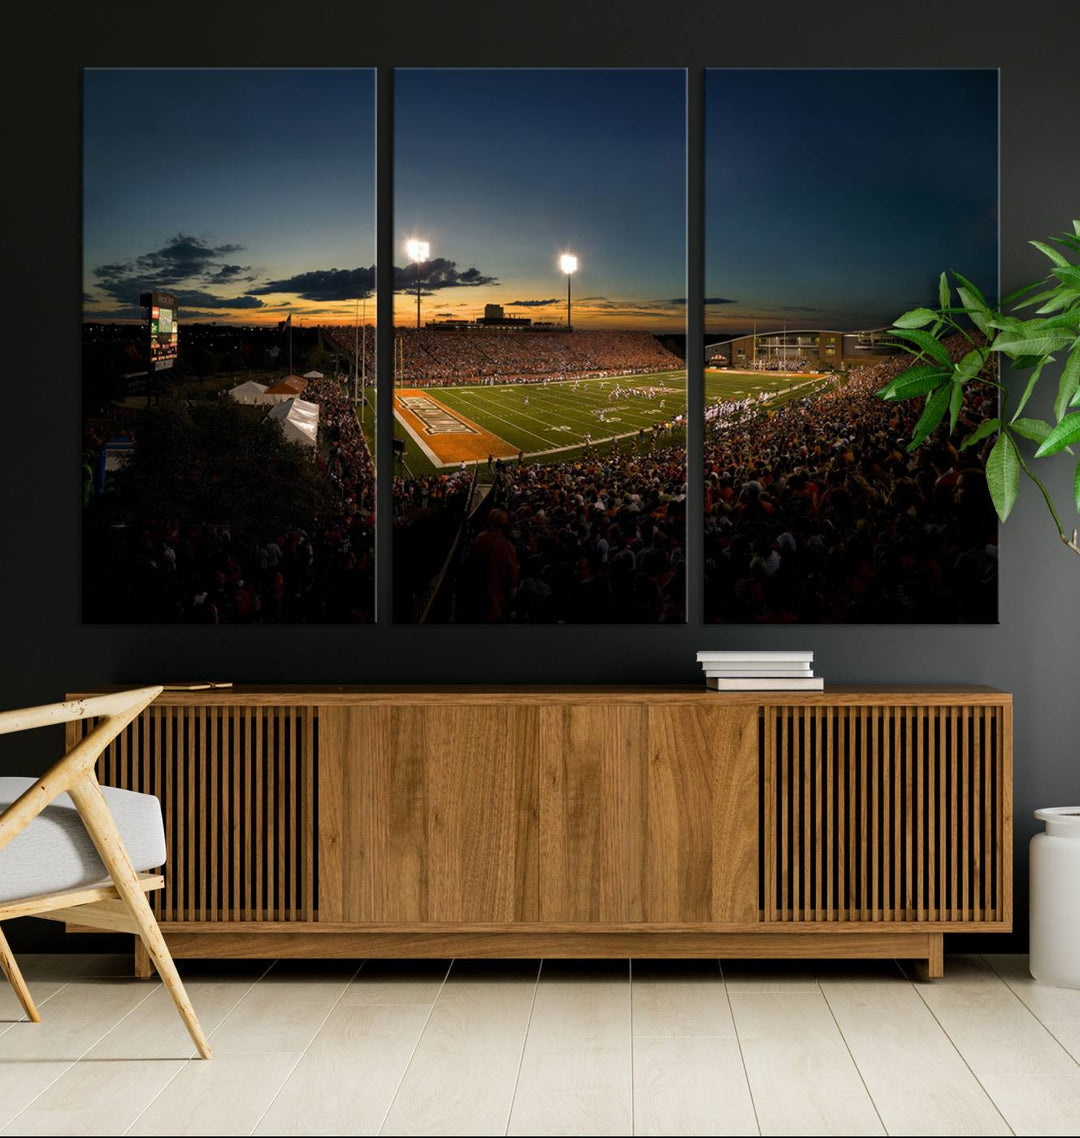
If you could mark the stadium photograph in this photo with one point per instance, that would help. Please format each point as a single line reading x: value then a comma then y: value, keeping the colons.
x: 227, y: 477
x: 826, y: 218
x: 539, y: 366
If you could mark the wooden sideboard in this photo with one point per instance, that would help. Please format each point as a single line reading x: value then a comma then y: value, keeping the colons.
x: 576, y: 821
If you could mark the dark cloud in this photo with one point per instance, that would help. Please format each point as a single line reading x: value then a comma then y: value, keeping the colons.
x: 230, y: 273
x: 182, y: 259
x: 192, y: 299
x: 533, y: 303
x: 324, y: 284
x: 798, y: 308
x: 439, y: 273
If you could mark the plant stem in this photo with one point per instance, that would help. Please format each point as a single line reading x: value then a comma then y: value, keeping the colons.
x: 1072, y: 542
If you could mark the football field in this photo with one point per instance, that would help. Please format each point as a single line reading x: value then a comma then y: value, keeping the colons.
x: 552, y: 422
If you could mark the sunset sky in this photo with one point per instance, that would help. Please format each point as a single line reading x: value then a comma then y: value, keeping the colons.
x: 250, y: 193
x: 238, y: 190
x: 503, y: 170
x: 835, y: 198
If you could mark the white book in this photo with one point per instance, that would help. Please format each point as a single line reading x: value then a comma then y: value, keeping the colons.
x: 751, y: 674
x: 758, y: 657
x: 757, y: 667
x: 764, y: 684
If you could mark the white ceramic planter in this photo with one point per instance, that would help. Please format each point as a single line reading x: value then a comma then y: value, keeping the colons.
x: 1055, y: 898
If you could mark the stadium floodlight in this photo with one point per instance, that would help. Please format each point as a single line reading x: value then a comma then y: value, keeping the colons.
x: 568, y: 264
x: 417, y: 251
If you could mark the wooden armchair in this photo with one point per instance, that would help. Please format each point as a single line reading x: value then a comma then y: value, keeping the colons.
x: 55, y: 873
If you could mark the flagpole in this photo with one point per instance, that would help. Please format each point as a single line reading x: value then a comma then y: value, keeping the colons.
x: 290, y: 342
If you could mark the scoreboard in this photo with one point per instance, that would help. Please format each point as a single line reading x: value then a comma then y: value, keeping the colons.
x: 163, y: 311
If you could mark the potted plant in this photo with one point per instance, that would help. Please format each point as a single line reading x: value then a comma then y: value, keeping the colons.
x: 1051, y: 333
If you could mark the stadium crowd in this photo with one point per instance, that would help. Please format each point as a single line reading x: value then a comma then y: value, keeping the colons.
x: 594, y: 541
x: 204, y: 573
x: 815, y: 512
x: 443, y: 358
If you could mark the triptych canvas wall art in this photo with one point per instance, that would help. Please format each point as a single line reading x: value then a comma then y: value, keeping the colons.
x: 538, y: 374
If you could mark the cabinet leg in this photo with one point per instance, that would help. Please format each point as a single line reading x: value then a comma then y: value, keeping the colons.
x: 143, y: 970
x: 935, y: 963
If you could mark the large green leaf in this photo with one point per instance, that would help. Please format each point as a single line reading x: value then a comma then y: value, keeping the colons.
x: 982, y: 431
x: 976, y: 294
x: 956, y: 401
x: 1032, y: 380
x: 978, y: 313
x: 944, y: 295
x: 1067, y: 321
x: 1064, y: 434
x: 1003, y: 475
x: 915, y: 381
x: 934, y: 411
x: 1068, y: 384
x: 1063, y: 298
x: 970, y: 365
x: 1050, y: 251
x: 1039, y: 297
x: 1031, y: 341
x: 1023, y: 290
x: 916, y: 318
x: 1076, y: 226
x: 1068, y: 274
x: 927, y: 344
x: 1034, y: 429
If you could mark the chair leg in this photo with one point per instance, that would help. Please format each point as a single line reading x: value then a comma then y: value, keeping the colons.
x: 15, y: 979
x: 106, y: 838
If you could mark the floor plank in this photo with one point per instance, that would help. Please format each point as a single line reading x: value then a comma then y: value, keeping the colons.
x: 227, y: 1095
x: 285, y: 1009
x: 34, y: 1055
x: 918, y: 1081
x: 155, y: 1031
x: 769, y: 975
x: 347, y: 1078
x: 801, y: 1076
x: 461, y: 1079
x: 576, y: 1071
x: 679, y: 998
x: 990, y: 1026
x: 96, y: 1097
x: 1038, y: 1104
x: 397, y: 982
x: 691, y: 1084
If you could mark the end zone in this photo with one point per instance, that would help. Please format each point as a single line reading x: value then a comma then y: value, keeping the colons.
x: 445, y: 436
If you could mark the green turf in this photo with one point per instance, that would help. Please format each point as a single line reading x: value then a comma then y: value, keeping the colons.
x: 558, y: 416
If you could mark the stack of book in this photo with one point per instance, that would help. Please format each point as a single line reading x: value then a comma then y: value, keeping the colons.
x: 760, y: 671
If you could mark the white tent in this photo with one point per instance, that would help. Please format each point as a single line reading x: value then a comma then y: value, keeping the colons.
x: 299, y: 421
x: 251, y: 392
x: 313, y: 375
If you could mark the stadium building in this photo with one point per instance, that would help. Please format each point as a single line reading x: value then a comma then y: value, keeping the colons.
x: 804, y: 348
x: 494, y: 317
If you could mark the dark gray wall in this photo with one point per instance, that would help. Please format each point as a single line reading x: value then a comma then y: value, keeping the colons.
x: 45, y: 650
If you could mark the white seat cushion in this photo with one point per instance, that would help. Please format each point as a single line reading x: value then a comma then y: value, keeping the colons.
x: 55, y: 852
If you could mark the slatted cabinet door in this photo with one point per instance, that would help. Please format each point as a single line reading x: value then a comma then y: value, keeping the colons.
x: 887, y: 813
x: 429, y: 813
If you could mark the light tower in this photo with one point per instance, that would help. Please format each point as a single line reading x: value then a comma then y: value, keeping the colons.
x: 568, y: 264
x: 417, y: 251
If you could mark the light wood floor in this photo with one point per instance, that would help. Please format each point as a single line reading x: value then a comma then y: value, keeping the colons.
x: 423, y: 1047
